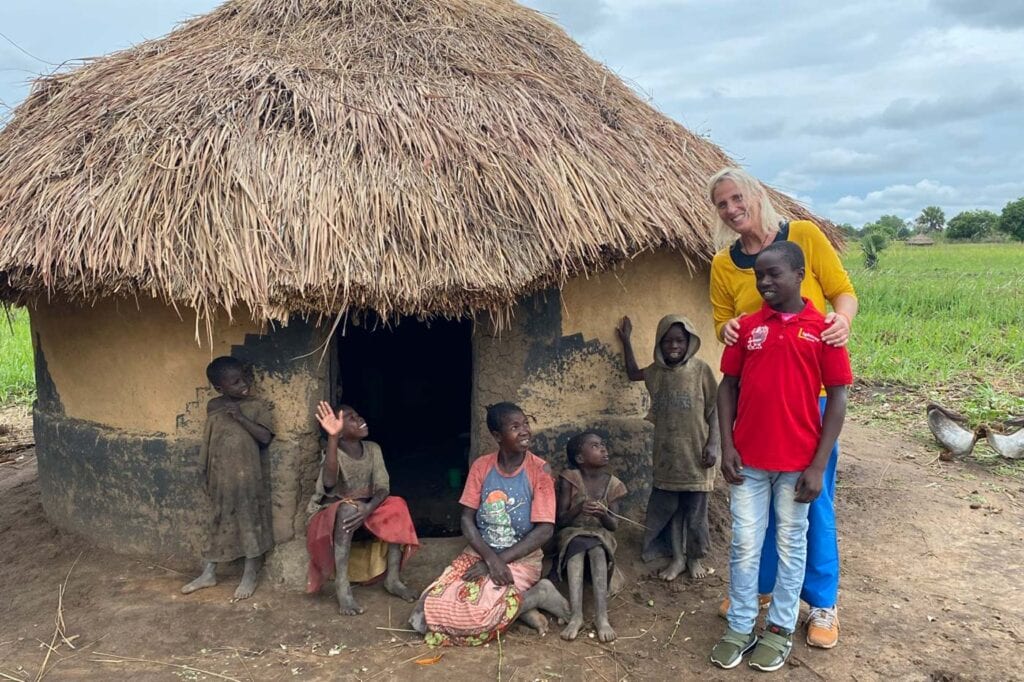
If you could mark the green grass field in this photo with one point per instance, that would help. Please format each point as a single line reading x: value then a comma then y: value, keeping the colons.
x: 945, y: 319
x: 17, y: 379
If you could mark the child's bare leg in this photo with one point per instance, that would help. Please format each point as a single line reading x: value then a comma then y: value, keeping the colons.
x: 250, y: 576
x: 545, y: 596
x: 417, y: 619
x: 574, y: 569
x: 599, y: 578
x: 208, y: 578
x: 392, y: 583
x: 347, y: 604
x: 678, y: 563
x: 696, y: 529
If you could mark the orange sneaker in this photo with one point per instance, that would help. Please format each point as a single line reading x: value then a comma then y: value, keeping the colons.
x: 763, y: 600
x: 823, y: 628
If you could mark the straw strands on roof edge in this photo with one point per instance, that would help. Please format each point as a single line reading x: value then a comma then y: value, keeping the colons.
x: 430, y: 157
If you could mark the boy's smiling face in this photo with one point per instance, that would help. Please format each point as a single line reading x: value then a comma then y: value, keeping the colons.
x: 355, y: 427
x: 777, y: 280
x: 674, y: 344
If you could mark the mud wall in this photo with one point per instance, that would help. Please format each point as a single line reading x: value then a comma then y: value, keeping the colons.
x: 121, y: 402
x: 562, y: 362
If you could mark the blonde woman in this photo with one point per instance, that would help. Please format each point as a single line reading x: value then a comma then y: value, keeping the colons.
x: 747, y: 224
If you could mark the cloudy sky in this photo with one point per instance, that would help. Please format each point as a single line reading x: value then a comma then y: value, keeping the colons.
x: 859, y: 108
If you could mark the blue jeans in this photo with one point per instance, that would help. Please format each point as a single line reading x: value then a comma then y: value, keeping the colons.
x: 821, y: 580
x: 751, y: 504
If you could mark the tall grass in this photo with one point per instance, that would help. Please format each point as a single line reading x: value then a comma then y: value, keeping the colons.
x: 17, y: 378
x: 945, y: 317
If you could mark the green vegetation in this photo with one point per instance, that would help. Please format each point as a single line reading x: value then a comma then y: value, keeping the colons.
x: 943, y: 321
x: 1011, y: 220
x: 17, y: 378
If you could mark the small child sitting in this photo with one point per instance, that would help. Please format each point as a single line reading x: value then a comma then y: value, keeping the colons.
x: 775, y: 447
x: 352, y: 493
x: 237, y: 430
x: 588, y: 499
x: 686, y: 445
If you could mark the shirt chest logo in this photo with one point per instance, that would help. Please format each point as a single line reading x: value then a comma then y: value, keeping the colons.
x: 807, y: 336
x: 757, y: 338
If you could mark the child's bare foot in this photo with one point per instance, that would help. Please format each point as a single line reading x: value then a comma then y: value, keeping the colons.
x: 246, y: 587
x: 544, y: 595
x: 208, y: 578
x: 604, y: 630
x: 672, y: 571
x: 348, y: 606
x: 398, y: 588
x: 250, y: 576
x: 696, y: 569
x: 572, y: 630
x: 536, y: 620
x: 418, y: 619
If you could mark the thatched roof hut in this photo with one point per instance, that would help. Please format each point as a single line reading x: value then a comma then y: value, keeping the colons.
x: 920, y: 240
x: 280, y: 160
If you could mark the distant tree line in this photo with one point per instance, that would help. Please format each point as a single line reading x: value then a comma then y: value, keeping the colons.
x: 978, y: 225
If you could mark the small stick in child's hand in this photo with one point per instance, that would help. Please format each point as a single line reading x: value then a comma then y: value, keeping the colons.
x: 624, y: 518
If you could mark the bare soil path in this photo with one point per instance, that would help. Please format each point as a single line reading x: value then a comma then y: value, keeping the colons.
x: 932, y: 558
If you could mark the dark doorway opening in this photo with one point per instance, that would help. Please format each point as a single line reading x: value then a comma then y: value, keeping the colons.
x: 412, y: 382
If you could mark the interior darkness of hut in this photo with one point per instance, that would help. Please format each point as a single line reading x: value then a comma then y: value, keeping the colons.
x: 412, y: 383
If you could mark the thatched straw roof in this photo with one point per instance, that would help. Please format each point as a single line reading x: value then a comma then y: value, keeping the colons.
x: 408, y: 156
x: 920, y: 240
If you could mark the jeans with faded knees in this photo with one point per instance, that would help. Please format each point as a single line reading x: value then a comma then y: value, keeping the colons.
x: 750, y: 503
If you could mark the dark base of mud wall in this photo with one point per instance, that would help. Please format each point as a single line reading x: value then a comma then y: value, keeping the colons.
x: 135, y: 495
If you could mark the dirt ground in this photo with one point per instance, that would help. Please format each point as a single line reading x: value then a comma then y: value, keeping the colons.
x: 931, y: 559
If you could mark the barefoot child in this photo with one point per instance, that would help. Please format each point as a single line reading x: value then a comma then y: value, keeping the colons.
x: 508, y: 513
x: 352, y: 494
x: 237, y: 430
x: 686, y: 445
x: 588, y: 497
x: 775, y: 447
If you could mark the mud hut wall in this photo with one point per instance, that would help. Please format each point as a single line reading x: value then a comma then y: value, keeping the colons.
x: 121, y: 403
x: 562, y: 361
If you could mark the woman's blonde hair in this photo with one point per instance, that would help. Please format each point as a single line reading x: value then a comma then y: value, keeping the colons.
x: 753, y: 193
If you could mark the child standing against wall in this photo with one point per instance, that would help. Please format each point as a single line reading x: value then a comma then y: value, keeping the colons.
x: 237, y: 430
x: 775, y: 447
x: 686, y: 444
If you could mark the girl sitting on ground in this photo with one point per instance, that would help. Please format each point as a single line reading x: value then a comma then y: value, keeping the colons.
x: 352, y: 495
x: 588, y: 500
x: 508, y: 513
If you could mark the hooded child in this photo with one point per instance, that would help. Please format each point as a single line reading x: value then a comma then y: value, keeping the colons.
x: 353, y: 498
x: 237, y: 431
x: 686, y: 445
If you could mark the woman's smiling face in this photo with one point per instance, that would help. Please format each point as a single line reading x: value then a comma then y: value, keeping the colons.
x: 740, y: 213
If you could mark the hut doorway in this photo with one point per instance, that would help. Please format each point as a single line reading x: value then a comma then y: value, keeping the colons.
x: 412, y: 382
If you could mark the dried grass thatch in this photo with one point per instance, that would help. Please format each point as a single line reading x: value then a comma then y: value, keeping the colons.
x: 428, y: 157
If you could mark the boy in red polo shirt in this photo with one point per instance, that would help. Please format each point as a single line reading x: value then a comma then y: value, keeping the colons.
x: 774, y: 449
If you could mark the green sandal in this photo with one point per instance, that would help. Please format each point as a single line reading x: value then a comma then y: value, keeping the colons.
x: 729, y: 651
x: 772, y: 649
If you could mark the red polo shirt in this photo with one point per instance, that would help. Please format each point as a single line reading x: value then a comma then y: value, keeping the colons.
x: 782, y: 364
